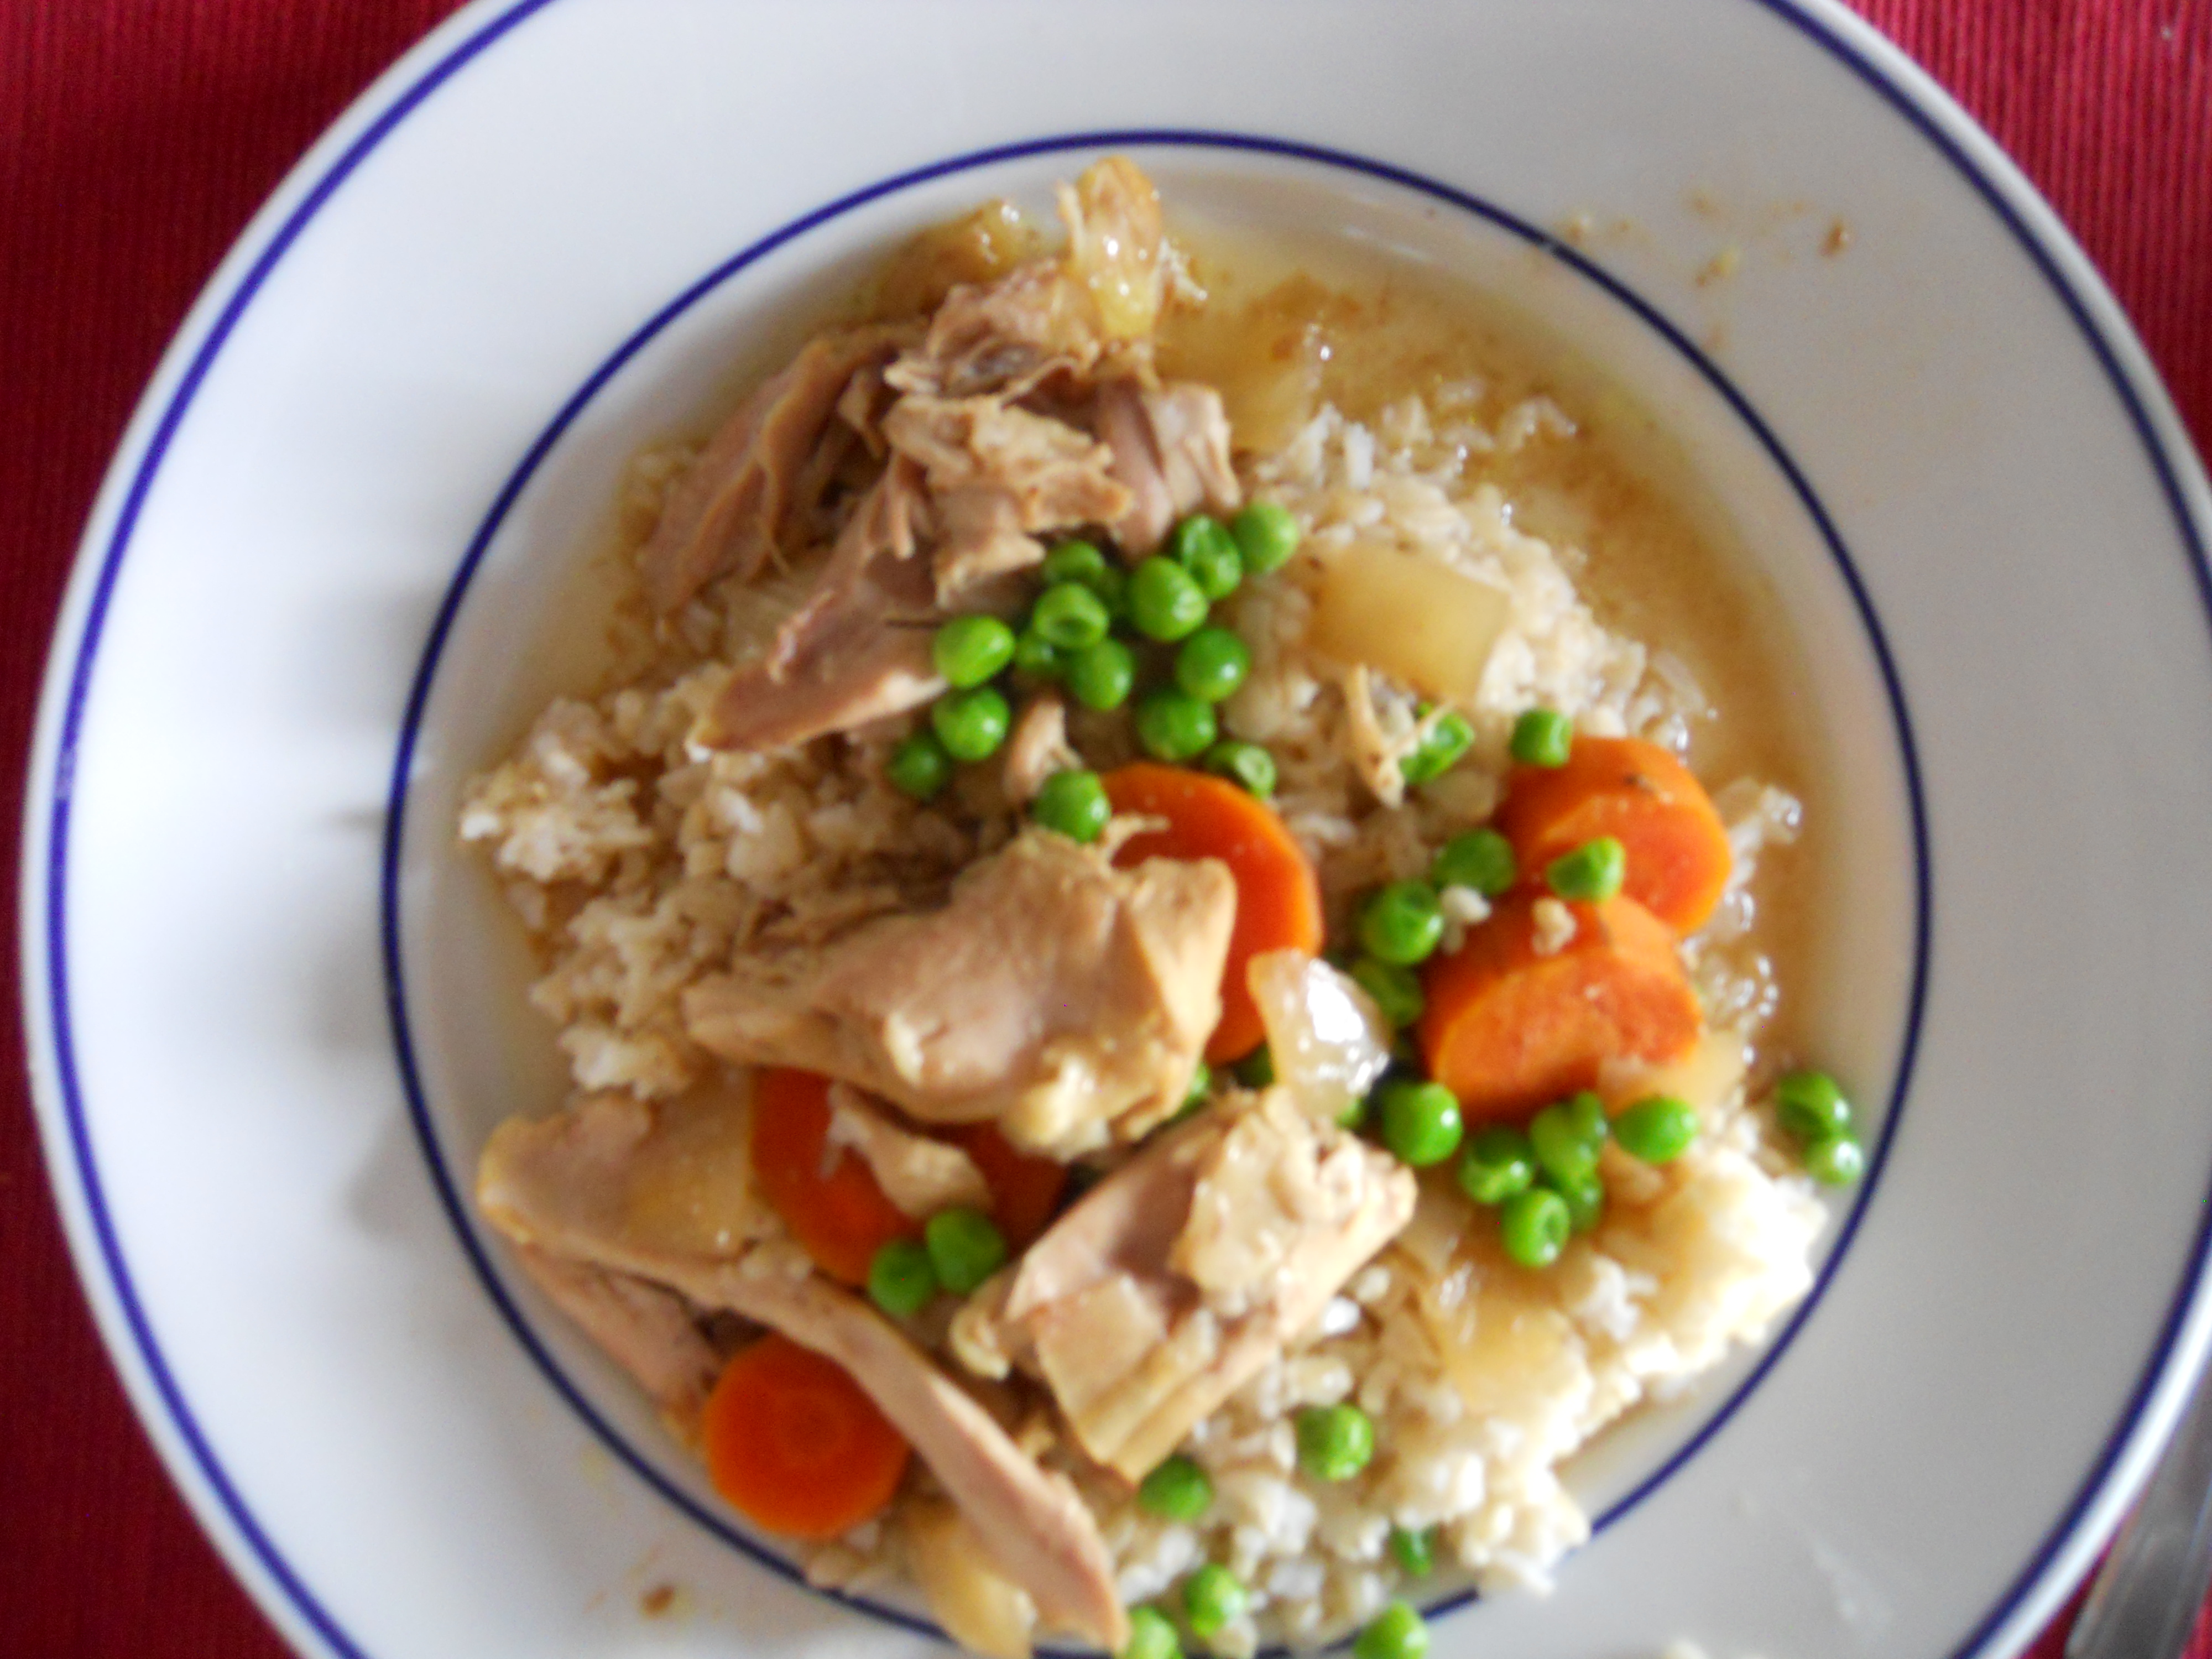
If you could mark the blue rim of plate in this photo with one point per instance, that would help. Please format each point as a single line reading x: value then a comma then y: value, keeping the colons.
x: 51, y: 893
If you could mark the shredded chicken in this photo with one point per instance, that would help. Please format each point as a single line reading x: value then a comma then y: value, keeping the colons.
x: 920, y: 1175
x: 1170, y: 454
x: 572, y: 1186
x: 1181, y: 1275
x: 646, y: 1330
x: 999, y: 472
x: 858, y: 649
x: 1063, y: 998
x: 1037, y: 748
x: 728, y: 511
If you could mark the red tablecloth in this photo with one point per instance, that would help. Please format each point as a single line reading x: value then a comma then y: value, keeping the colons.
x: 136, y: 138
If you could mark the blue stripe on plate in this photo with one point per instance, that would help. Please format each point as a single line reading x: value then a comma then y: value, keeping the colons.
x: 1819, y: 30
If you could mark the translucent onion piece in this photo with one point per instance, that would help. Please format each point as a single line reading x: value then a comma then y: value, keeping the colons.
x: 1329, y: 1042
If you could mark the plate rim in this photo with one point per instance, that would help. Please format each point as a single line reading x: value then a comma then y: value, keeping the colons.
x: 103, y: 1273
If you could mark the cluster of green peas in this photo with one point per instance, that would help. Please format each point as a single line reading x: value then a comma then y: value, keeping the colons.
x: 1070, y: 638
x: 1402, y: 923
x: 958, y: 1250
x: 1334, y: 1443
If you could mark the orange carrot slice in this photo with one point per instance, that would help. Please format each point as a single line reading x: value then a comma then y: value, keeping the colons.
x: 1508, y: 1029
x: 1278, y: 895
x: 1643, y: 796
x: 1024, y: 1189
x: 833, y: 1206
x: 796, y: 1444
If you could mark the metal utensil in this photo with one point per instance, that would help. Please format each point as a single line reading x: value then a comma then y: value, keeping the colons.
x: 2145, y: 1601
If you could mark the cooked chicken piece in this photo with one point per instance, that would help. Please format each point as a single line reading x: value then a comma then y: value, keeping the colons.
x: 1182, y: 1275
x: 569, y: 1185
x: 920, y: 1175
x: 1065, y: 998
x: 646, y: 1330
x: 675, y: 1174
x: 858, y: 649
x: 1032, y: 1522
x: 1037, y: 748
x: 1170, y: 448
x: 998, y: 472
x: 1005, y: 339
x: 726, y: 512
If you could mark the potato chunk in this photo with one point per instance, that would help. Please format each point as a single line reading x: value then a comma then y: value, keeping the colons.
x: 1414, y: 619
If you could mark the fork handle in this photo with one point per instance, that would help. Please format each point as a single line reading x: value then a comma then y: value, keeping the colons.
x: 2147, y: 1595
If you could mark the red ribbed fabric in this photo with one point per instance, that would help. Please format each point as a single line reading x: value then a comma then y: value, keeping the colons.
x: 136, y: 136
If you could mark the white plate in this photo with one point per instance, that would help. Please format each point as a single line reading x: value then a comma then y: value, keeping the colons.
x: 396, y: 415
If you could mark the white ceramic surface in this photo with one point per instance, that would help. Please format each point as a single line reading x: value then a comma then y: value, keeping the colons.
x: 394, y: 421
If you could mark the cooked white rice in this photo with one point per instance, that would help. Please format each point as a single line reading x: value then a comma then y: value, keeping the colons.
x: 639, y: 865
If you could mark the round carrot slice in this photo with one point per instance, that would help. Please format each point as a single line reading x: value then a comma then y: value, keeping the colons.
x: 1509, y: 1028
x: 1278, y: 895
x: 796, y: 1444
x: 1644, y: 797
x: 833, y: 1206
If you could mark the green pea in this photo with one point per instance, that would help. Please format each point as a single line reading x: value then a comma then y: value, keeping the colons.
x: 1201, y: 1085
x: 919, y: 766
x: 971, y: 724
x: 965, y: 1247
x: 1585, y: 1197
x: 1164, y: 602
x: 1396, y: 1632
x: 1480, y: 858
x: 901, y: 1280
x: 1534, y: 1226
x: 969, y: 650
x: 1440, y: 748
x: 1543, y: 737
x: 1591, y: 873
x: 1565, y: 1143
x: 1070, y: 616
x: 1173, y: 726
x: 1151, y: 1636
x: 1074, y: 562
x: 1266, y: 535
x: 1396, y: 990
x: 1420, y: 1122
x: 1178, y: 1490
x: 1246, y: 764
x: 1211, y: 1598
x: 1499, y: 1161
x: 1257, y: 1069
x: 1415, y: 1553
x: 1402, y: 923
x: 1335, y: 1442
x: 1658, y: 1130
x: 1586, y: 1111
x: 1211, y: 664
x: 1811, y: 1106
x: 1073, y: 802
x: 1835, y: 1160
x: 1101, y: 676
x: 1037, y: 656
x: 1204, y: 547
